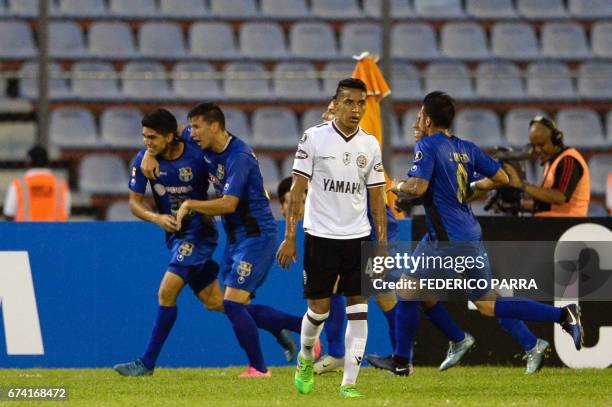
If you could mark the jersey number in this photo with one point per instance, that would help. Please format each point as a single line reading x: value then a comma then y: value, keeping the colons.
x: 462, y: 182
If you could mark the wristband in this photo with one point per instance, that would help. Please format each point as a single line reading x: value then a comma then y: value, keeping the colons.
x: 473, y: 186
x: 399, y: 186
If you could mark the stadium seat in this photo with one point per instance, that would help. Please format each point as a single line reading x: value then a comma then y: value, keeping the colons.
x: 400, y: 164
x: 120, y: 127
x: 161, y: 40
x: 212, y: 40
x: 490, y: 9
x: 275, y: 128
x: 399, y: 8
x: 296, y: 88
x: 179, y: 113
x: 195, y: 88
x: 269, y: 172
x: 516, y: 126
x: 464, y: 41
x: 338, y: 9
x: 16, y: 40
x: 406, y: 138
x: 609, y: 127
x: 334, y: 72
x: 599, y: 167
x: 311, y: 118
x: 601, y: 39
x: 451, y: 77
x: 28, y: 8
x: 595, y: 80
x: 394, y: 131
x: 590, y: 8
x: 262, y: 40
x: 480, y: 126
x: 514, y: 41
x: 183, y: 8
x: 236, y: 123
x: 82, y: 8
x: 103, y: 174
x: 249, y: 87
x: 405, y: 82
x: 597, y: 210
x: 141, y: 88
x: 28, y: 86
x: 285, y: 8
x: 73, y: 127
x: 582, y: 128
x: 66, y: 40
x: 356, y: 38
x: 119, y: 211
x: 564, y: 40
x: 414, y: 41
x: 111, y: 40
x: 438, y: 8
x: 233, y: 8
x: 548, y: 80
x: 133, y: 8
x: 499, y: 80
x: 287, y: 166
x: 16, y: 138
x: 91, y: 88
x: 541, y: 9
x: 313, y: 40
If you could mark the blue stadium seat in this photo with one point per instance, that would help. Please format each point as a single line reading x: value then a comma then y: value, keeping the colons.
x: 499, y: 80
x: 237, y: 123
x: 66, y: 40
x: 28, y: 8
x: 590, y: 8
x: 140, y: 88
x: 212, y: 40
x: 120, y: 127
x: 16, y: 138
x: 609, y: 127
x: 414, y: 41
x: 28, y: 86
x: 287, y: 166
x: 564, y: 40
x: 262, y: 40
x: 548, y: 80
x: 406, y: 138
x: 333, y: 73
x: 394, y: 131
x: 16, y: 40
x: 82, y: 8
x: 233, y: 8
x: 464, y: 41
x: 400, y: 164
x: 450, y: 77
x: 356, y: 38
x: 313, y: 40
x: 133, y: 8
x: 192, y: 88
x: 285, y: 8
x: 599, y: 167
x: 275, y: 128
x: 188, y: 9
x: 338, y: 9
x: 480, y: 126
x: 581, y: 127
x: 73, y: 127
x: 161, y: 40
x: 103, y: 174
x: 595, y: 80
x: 399, y: 8
x: 516, y: 126
x: 597, y: 210
x: 438, y: 8
x: 541, y: 9
x: 296, y: 88
x: 405, y: 82
x: 111, y: 40
x: 514, y: 41
x: 312, y: 117
x: 491, y: 9
x: 91, y: 88
x: 269, y: 172
x: 119, y: 211
x: 601, y: 39
x: 243, y: 82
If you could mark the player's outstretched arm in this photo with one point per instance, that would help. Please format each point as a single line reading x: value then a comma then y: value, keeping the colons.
x: 499, y: 180
x: 149, y: 166
x: 141, y: 210
x: 287, y: 251
x: 413, y: 187
x: 215, y: 207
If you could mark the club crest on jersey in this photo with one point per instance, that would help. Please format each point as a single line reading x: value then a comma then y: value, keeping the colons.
x: 418, y: 156
x: 346, y: 158
x: 185, y: 250
x: 303, y: 138
x: 379, y: 167
x: 185, y: 174
x: 362, y: 160
x: 301, y: 154
x: 244, y: 270
x: 220, y: 171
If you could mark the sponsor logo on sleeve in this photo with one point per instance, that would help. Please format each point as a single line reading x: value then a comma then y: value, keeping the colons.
x: 303, y: 138
x: 301, y: 154
x: 418, y: 156
x: 379, y: 167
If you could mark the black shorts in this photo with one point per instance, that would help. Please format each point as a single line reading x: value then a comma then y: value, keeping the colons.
x: 326, y: 259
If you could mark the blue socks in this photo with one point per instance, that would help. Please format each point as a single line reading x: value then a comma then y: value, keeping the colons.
x: 162, y: 327
x: 526, y: 310
x: 519, y: 331
x: 390, y: 316
x: 406, y: 322
x: 334, y: 327
x: 440, y: 317
x: 273, y: 320
x: 246, y: 333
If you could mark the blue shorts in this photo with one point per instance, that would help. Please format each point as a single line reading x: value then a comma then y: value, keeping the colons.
x: 246, y: 263
x: 192, y: 261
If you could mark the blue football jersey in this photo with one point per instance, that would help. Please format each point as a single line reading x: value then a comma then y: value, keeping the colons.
x: 448, y: 163
x: 179, y: 180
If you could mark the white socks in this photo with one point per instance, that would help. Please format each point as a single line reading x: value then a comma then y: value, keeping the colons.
x: 312, y: 325
x: 354, y: 340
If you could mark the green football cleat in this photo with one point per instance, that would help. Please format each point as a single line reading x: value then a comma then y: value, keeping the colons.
x: 349, y: 391
x: 304, y: 376
x: 134, y: 368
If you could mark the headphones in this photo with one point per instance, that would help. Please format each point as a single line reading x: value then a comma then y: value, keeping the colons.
x: 557, y: 135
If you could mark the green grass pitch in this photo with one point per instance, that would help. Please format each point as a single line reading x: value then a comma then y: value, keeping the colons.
x: 461, y: 386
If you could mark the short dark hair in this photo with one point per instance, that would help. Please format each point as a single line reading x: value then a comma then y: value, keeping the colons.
x: 283, y: 187
x: 210, y: 112
x: 160, y: 120
x: 350, y: 83
x: 440, y: 108
x: 37, y: 157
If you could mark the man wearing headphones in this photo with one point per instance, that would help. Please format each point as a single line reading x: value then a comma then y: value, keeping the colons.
x: 565, y: 190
